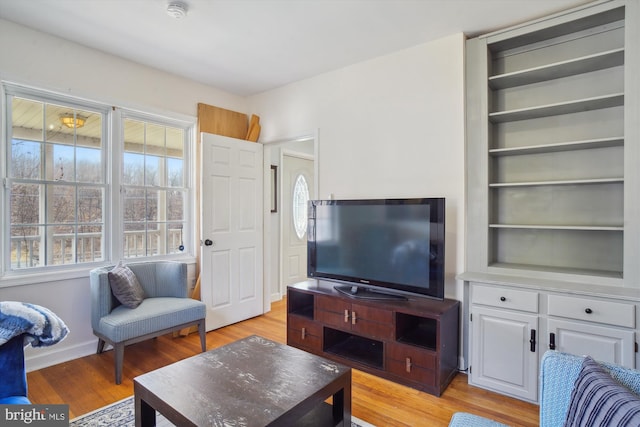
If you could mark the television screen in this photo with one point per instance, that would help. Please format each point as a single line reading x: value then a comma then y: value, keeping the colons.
x: 396, y: 244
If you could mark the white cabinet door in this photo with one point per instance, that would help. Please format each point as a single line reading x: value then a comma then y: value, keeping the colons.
x: 603, y: 343
x: 501, y: 355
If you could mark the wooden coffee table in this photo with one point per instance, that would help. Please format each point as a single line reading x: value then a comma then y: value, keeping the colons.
x: 251, y: 382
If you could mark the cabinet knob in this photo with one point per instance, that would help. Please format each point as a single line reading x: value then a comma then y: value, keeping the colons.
x: 346, y: 316
x: 304, y: 333
x: 353, y: 317
x: 407, y: 364
x: 503, y: 299
x: 588, y: 310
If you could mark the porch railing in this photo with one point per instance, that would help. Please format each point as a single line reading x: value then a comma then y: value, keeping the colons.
x: 28, y: 251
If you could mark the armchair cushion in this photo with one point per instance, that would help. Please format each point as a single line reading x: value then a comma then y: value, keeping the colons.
x: 125, y: 286
x: 597, y: 399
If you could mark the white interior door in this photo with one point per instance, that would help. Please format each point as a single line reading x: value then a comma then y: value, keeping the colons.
x: 232, y: 233
x: 297, y: 184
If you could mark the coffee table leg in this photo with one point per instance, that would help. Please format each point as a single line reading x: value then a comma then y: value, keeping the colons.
x: 342, y: 405
x: 145, y: 414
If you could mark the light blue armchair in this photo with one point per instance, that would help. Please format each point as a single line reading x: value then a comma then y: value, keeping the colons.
x: 558, y: 373
x: 166, y: 308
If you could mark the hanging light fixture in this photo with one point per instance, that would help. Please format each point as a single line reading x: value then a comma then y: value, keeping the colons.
x: 71, y: 121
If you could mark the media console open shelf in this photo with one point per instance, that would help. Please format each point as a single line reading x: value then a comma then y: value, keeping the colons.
x: 412, y: 342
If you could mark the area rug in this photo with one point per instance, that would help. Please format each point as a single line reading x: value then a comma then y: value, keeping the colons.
x: 121, y: 414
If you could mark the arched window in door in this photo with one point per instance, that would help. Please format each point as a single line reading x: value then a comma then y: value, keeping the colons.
x: 300, y: 200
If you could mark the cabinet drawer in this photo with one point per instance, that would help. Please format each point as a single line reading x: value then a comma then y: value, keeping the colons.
x: 304, y: 333
x: 412, y: 363
x: 514, y: 299
x: 415, y: 373
x: 372, y: 313
x: 592, y: 310
x: 296, y: 338
x: 297, y: 323
x: 417, y: 356
x: 331, y: 304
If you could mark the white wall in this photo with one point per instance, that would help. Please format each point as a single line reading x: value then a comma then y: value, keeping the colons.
x: 36, y: 59
x: 389, y: 127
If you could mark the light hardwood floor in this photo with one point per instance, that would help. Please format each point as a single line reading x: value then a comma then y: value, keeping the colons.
x: 87, y: 383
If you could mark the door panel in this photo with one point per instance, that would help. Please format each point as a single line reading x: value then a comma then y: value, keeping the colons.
x: 232, y: 264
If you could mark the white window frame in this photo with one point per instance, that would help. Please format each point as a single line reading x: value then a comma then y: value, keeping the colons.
x: 112, y: 168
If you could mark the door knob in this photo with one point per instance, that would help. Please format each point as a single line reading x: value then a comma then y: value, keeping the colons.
x: 208, y: 242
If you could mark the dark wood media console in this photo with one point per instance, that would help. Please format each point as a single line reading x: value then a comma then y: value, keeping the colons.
x: 412, y: 342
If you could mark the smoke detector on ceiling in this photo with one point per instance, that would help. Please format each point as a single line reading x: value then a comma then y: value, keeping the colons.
x: 177, y: 9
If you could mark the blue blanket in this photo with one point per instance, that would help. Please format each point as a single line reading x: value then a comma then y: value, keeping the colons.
x: 39, y: 325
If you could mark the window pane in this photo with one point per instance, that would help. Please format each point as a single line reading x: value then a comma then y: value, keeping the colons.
x: 175, y: 205
x: 175, y: 172
x: 60, y: 162
x: 133, y: 136
x: 154, y: 231
x: 90, y: 205
x: 25, y: 204
x: 154, y: 200
x: 63, y: 244
x: 89, y: 243
x: 152, y: 170
x: 155, y: 140
x: 89, y: 165
x: 25, y: 159
x: 135, y: 240
x: 135, y: 205
x: 62, y: 208
x: 175, y: 242
x: 26, y: 116
x: 133, y: 173
x: 25, y: 246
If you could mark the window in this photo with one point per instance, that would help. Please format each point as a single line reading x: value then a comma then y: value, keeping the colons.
x: 56, y: 184
x: 300, y: 200
x: 71, y: 189
x: 153, y: 188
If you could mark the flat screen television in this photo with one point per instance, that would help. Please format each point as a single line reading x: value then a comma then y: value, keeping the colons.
x: 380, y: 248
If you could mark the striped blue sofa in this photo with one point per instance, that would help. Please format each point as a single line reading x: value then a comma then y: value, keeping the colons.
x: 166, y: 308
x: 558, y: 373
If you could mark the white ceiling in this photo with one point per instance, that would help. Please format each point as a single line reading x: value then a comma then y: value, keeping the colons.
x: 250, y: 46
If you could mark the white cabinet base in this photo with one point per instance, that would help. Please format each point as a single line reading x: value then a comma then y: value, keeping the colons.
x: 502, y: 359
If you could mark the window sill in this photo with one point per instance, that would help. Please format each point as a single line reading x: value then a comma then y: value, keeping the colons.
x: 44, y: 275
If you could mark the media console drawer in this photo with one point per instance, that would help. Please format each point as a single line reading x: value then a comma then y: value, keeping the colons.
x: 363, y: 319
x: 304, y: 333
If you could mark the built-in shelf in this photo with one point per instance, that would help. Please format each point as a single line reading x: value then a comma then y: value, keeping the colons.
x: 561, y: 182
x: 563, y: 270
x: 616, y: 141
x: 575, y: 106
x: 585, y: 64
x: 558, y: 227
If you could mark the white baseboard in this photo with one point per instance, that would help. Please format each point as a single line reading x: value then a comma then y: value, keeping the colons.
x: 53, y: 356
